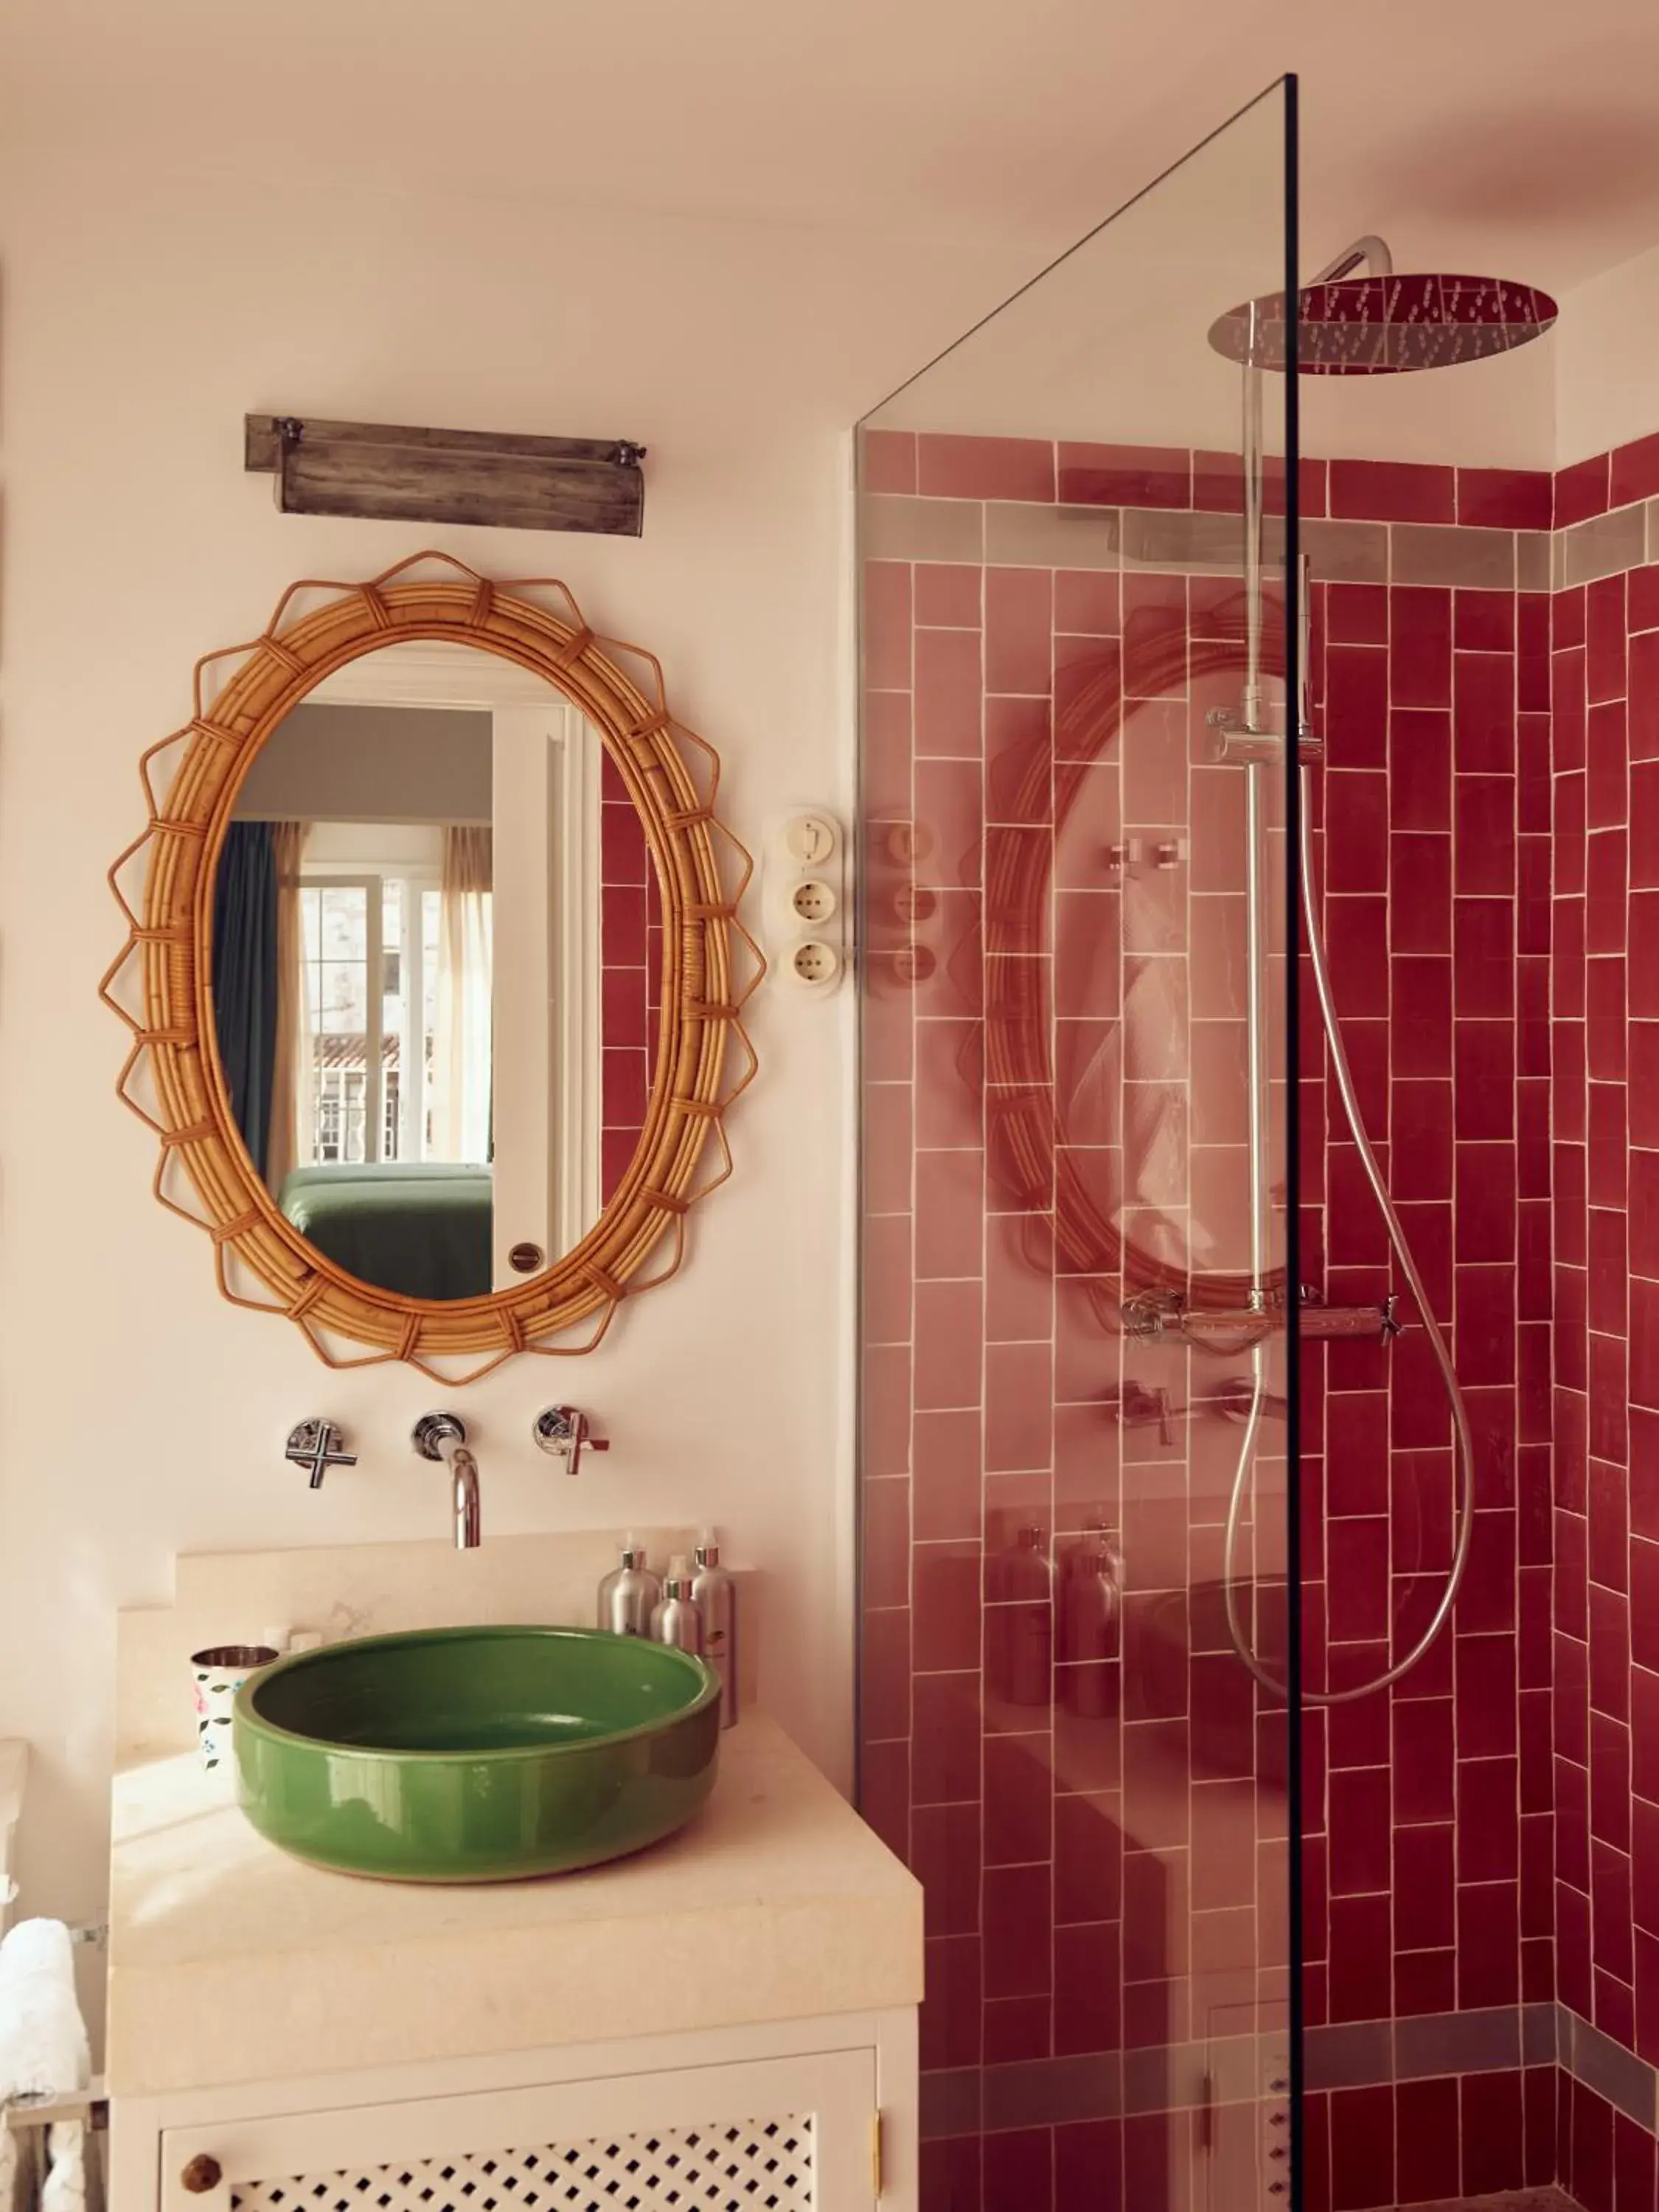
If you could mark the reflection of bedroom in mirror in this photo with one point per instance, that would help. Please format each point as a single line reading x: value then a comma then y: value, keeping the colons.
x: 434, y: 959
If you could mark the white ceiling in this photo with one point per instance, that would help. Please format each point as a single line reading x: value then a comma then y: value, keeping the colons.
x: 1520, y: 136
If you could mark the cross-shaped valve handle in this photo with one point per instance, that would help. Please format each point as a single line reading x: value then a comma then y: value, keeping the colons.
x: 317, y: 1444
x: 566, y: 1432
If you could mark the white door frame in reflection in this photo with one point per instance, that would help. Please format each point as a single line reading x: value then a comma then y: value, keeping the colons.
x: 546, y: 1016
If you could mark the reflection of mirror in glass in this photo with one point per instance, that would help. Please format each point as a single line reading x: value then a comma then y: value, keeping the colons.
x: 436, y: 947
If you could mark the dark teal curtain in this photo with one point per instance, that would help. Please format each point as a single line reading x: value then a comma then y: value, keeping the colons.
x: 245, y: 977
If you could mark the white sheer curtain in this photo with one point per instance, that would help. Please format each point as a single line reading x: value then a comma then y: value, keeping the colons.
x: 461, y: 1057
x: 293, y: 1116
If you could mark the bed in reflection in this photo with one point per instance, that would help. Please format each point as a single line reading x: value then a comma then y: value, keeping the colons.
x: 420, y: 1228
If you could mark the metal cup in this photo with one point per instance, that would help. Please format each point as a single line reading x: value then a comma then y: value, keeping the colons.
x: 218, y: 1673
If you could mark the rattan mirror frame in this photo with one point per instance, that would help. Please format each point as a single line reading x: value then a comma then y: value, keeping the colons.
x: 705, y: 1058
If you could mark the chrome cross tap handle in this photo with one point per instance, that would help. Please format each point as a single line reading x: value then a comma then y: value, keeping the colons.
x: 317, y: 1445
x: 565, y: 1431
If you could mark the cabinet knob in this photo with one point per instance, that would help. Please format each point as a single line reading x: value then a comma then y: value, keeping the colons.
x: 202, y: 2174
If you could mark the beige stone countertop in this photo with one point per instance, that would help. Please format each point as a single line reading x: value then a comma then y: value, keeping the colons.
x: 229, y: 1961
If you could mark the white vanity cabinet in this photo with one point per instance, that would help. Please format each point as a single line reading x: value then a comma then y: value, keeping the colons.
x: 725, y: 2020
x: 737, y: 2118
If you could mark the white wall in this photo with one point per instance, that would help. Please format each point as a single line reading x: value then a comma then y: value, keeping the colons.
x: 333, y: 763
x: 1606, y: 390
x: 1113, y: 343
x: 139, y: 1415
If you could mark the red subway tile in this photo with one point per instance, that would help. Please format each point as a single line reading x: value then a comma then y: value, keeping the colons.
x: 1018, y: 630
x: 1643, y: 593
x: 1634, y: 472
x: 1504, y: 499
x: 1582, y: 490
x: 887, y: 460
x: 948, y: 693
x: 1427, y: 2168
x: 1488, y: 1944
x: 1425, y: 1981
x: 1420, y: 904
x: 947, y: 595
x: 1484, y: 826
x: 953, y: 467
x: 1604, y: 630
x: 1419, y: 769
x: 946, y: 1474
x: 1422, y: 1768
x: 1355, y: 830
x: 1485, y: 622
x: 1125, y: 476
x: 950, y: 2010
x: 1391, y: 491
x: 1087, y: 601
x: 1635, y: 2181
x: 1360, y: 1979
x: 1088, y: 1990
x: 1356, y: 614
x: 885, y: 637
x: 1612, y: 1947
x: 1356, y: 717
x: 1019, y: 773
x: 1421, y: 1016
x: 1362, y: 2140
x: 1483, y: 715
x: 945, y: 1857
x: 1492, y: 2133
x: 1644, y: 709
x: 945, y: 1759
x: 1359, y: 1831
x: 1154, y: 635
x: 1419, y: 647
x: 1488, y: 1820
x: 948, y: 1336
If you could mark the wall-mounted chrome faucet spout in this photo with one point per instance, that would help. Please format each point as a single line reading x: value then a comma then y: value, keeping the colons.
x: 443, y: 1436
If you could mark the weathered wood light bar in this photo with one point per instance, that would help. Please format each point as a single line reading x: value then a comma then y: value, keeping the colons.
x: 392, y: 472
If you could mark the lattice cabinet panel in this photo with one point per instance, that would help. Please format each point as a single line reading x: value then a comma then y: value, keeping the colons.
x: 790, y: 2132
x: 726, y: 2167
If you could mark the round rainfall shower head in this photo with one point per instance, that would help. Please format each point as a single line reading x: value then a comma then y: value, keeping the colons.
x: 1387, y: 326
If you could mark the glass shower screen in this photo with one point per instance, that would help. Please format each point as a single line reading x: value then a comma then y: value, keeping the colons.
x: 1077, y: 1645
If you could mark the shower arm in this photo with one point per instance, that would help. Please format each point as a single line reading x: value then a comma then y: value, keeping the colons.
x: 1371, y: 249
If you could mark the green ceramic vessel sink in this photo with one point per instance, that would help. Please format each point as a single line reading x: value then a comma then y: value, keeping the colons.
x: 475, y: 1754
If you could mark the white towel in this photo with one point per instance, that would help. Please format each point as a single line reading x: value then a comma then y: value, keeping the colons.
x: 43, y: 2052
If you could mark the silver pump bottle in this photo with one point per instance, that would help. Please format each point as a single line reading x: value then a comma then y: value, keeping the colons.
x: 716, y: 1597
x: 628, y: 1594
x: 675, y: 1619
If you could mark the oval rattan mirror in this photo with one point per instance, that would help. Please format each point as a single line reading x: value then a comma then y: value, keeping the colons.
x: 370, y: 1179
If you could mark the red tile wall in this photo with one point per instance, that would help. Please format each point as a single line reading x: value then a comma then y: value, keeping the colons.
x: 1490, y: 842
x: 1427, y: 1836
x: 1103, y: 1870
x: 1605, y: 668
x: 630, y: 937
x: 1434, y: 2141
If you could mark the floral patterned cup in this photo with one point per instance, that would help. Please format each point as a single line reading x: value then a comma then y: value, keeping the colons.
x: 218, y: 1673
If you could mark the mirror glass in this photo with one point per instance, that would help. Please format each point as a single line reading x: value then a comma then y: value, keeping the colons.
x: 436, y: 956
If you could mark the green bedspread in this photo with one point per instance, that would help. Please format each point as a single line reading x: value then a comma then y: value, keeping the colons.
x: 419, y: 1229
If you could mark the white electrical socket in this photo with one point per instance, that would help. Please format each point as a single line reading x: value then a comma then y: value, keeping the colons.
x: 814, y: 901
x: 815, y: 962
x: 805, y: 899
